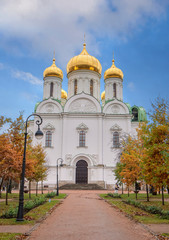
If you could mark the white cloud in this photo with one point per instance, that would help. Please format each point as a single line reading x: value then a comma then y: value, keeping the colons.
x: 27, y: 77
x: 29, y: 97
x: 1, y: 66
x: 131, y: 86
x: 44, y: 26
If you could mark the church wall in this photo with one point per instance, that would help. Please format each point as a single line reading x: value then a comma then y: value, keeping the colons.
x: 71, y: 135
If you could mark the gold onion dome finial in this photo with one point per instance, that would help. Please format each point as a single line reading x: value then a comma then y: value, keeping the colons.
x: 84, y: 61
x: 103, y: 95
x: 53, y: 71
x: 113, y: 72
x: 63, y: 94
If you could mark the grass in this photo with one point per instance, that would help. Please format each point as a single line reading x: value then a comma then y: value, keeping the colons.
x: 9, y: 236
x: 136, y: 213
x: 33, y: 215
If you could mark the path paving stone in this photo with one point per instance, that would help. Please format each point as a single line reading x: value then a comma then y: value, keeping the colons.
x: 15, y: 228
x: 84, y: 216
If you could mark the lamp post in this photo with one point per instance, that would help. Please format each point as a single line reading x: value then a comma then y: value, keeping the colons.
x: 38, y: 135
x: 57, y: 181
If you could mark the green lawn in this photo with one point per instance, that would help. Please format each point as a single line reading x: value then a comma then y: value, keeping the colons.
x: 33, y: 215
x: 9, y: 236
x: 137, y: 213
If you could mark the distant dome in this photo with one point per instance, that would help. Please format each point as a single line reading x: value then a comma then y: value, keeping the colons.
x: 63, y: 94
x: 103, y: 95
x: 53, y: 71
x: 84, y: 61
x: 113, y: 72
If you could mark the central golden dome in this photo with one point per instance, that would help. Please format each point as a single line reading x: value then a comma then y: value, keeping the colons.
x: 113, y: 72
x: 53, y: 71
x: 84, y: 61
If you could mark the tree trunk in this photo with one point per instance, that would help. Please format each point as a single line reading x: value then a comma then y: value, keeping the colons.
x: 7, y: 193
x: 2, y: 180
x: 29, y: 189
x: 136, y: 189
x: 128, y: 192
x: 162, y: 195
x: 147, y: 192
x: 159, y: 191
x: 122, y: 189
x: 42, y: 187
x: 10, y: 186
x: 36, y: 188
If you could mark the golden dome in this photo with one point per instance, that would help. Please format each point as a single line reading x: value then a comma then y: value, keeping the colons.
x: 103, y: 95
x: 63, y: 94
x: 84, y: 61
x: 53, y: 71
x: 113, y: 72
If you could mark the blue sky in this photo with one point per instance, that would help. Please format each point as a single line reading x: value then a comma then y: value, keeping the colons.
x: 30, y: 31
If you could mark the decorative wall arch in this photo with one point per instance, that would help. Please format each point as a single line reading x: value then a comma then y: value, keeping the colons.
x: 82, y: 103
x: 82, y: 156
x: 115, y: 107
x: 49, y: 106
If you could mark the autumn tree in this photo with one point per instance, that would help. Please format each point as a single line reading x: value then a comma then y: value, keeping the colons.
x: 130, y: 160
x: 117, y: 172
x: 9, y: 162
x: 4, y: 120
x: 156, y: 140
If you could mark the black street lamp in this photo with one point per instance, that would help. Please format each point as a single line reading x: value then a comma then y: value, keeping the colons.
x: 57, y: 181
x: 38, y: 135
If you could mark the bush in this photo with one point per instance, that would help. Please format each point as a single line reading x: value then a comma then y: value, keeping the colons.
x: 50, y: 195
x: 151, y: 209
x: 12, y: 212
x: 114, y: 195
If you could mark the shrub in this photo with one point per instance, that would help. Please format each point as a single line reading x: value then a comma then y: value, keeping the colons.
x: 12, y: 212
x: 151, y: 209
x: 114, y: 195
x: 50, y: 195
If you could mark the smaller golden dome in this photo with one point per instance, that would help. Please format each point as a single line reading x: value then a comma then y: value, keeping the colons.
x: 113, y: 72
x: 63, y: 94
x: 53, y: 71
x: 103, y: 95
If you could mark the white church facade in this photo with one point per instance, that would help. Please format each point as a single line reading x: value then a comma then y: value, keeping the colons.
x: 81, y: 128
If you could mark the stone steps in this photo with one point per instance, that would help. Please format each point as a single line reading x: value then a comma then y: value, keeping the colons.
x: 81, y: 187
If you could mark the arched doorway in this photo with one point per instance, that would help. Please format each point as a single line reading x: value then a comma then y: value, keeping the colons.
x: 81, y: 172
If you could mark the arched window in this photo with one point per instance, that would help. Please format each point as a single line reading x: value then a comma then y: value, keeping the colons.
x: 48, y: 142
x: 82, y: 137
x: 135, y: 114
x: 116, y: 143
x: 91, y: 87
x: 51, y: 89
x: 75, y: 87
x: 114, y: 90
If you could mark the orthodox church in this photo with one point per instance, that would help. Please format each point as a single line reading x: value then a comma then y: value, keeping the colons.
x: 81, y: 128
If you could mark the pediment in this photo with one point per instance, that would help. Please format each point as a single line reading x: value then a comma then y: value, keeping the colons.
x: 115, y: 127
x: 82, y: 126
x: 49, y: 127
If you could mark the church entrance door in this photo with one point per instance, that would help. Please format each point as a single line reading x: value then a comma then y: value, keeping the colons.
x: 81, y: 172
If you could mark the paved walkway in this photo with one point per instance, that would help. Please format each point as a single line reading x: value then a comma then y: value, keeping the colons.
x: 83, y: 216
